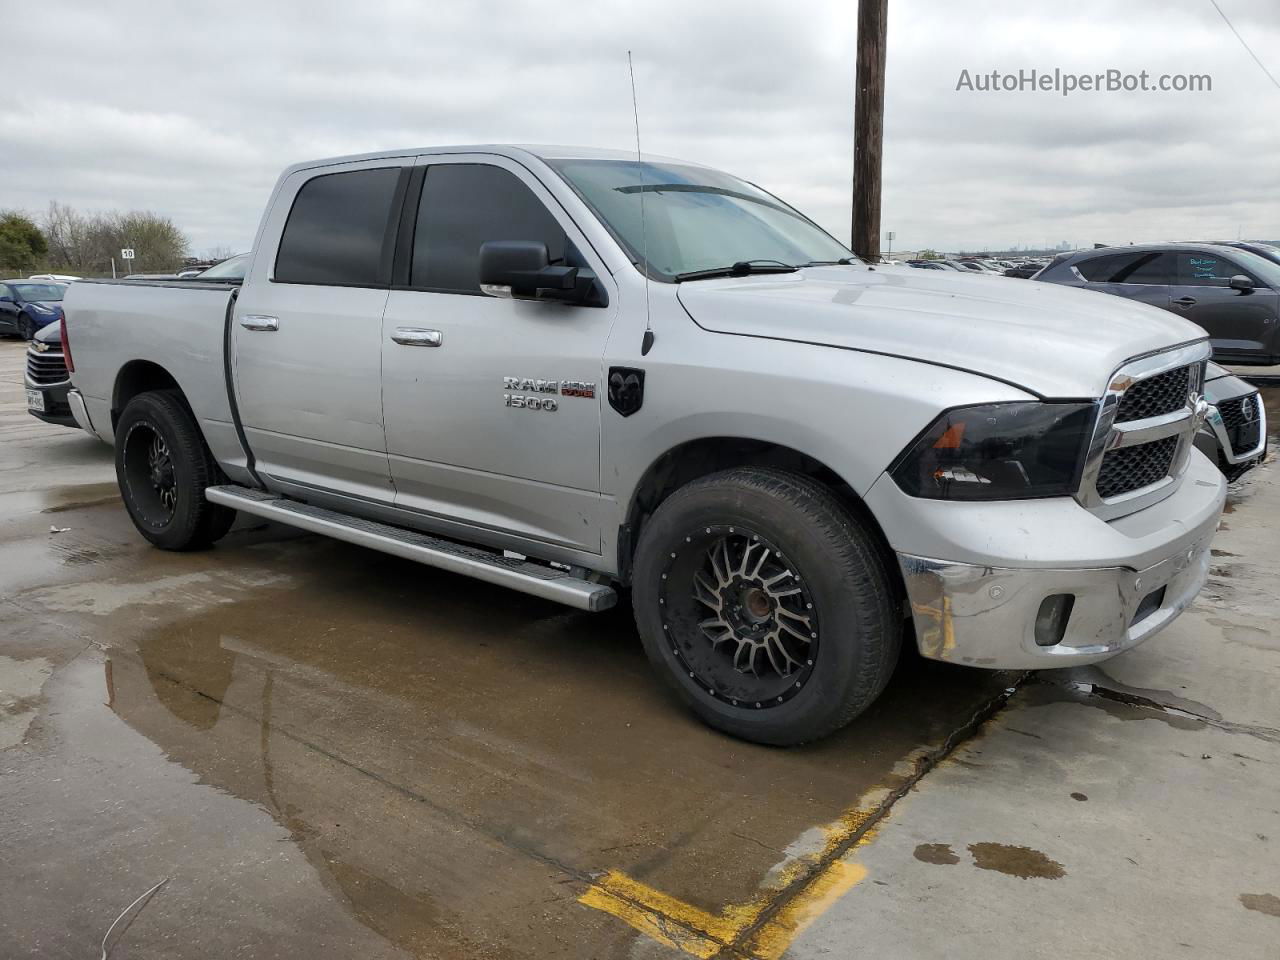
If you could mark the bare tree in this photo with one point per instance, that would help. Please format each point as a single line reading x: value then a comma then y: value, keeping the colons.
x: 87, y: 244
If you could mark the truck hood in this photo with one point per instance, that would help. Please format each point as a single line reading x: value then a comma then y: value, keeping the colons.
x: 1050, y: 340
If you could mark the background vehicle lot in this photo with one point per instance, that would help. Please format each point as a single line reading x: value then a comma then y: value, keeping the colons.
x: 358, y: 757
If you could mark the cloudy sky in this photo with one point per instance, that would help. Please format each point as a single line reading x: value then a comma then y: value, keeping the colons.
x: 191, y: 110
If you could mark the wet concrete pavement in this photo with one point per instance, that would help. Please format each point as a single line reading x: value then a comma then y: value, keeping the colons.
x: 334, y: 753
x: 326, y: 748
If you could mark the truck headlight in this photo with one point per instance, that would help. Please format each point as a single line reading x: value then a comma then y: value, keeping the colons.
x: 998, y: 451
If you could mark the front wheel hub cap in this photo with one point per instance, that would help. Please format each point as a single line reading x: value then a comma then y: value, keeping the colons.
x: 739, y: 617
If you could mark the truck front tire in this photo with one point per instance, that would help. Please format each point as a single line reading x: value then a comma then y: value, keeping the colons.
x: 767, y: 605
x: 163, y: 467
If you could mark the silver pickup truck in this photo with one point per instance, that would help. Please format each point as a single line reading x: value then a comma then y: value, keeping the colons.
x: 570, y: 371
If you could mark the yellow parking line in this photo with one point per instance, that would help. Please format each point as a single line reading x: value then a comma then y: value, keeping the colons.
x: 699, y: 933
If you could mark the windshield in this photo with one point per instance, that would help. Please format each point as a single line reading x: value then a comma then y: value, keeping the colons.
x: 39, y: 291
x: 694, y: 218
x: 1268, y: 251
x: 1265, y: 270
x: 232, y: 268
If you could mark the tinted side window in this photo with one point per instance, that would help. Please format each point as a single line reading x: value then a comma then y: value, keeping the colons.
x: 1147, y: 268
x: 1206, y: 270
x: 464, y: 205
x: 337, y: 230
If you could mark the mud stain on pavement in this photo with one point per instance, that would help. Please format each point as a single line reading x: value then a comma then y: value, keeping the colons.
x: 939, y: 853
x: 1021, y: 862
x: 1267, y: 903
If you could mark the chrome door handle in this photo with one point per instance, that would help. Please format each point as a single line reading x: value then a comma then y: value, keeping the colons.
x: 254, y: 322
x: 417, y: 337
x: 1185, y: 302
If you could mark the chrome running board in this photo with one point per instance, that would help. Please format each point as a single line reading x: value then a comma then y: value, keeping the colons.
x: 536, y: 579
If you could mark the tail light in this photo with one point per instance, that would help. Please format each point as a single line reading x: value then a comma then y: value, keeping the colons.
x: 66, y: 344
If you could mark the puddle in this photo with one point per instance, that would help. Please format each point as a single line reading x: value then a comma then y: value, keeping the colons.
x: 418, y: 735
x: 1022, y: 862
x: 1267, y: 903
x: 938, y: 853
x: 60, y: 499
x: 1047, y: 692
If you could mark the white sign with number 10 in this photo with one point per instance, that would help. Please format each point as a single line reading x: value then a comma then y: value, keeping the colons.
x: 126, y: 253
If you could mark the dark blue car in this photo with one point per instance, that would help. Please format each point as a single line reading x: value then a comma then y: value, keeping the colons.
x: 28, y: 305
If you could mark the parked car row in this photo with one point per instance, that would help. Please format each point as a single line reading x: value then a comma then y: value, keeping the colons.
x: 1232, y: 290
x: 1023, y: 267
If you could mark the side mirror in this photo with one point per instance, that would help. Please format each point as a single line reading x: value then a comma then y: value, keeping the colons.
x: 519, y: 269
x: 1241, y: 282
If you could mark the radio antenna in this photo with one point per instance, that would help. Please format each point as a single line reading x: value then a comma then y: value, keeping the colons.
x: 646, y: 344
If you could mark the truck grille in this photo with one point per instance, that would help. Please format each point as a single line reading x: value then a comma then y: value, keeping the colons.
x: 46, y: 369
x: 1242, y: 418
x: 1146, y: 424
x: 1161, y: 394
x: 1132, y: 468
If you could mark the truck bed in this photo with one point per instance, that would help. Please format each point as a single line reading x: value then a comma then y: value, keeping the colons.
x: 178, y: 325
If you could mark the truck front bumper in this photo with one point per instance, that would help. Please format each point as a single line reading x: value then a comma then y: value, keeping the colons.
x: 1111, y: 584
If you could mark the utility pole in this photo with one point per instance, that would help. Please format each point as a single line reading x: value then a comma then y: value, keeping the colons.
x: 868, y: 127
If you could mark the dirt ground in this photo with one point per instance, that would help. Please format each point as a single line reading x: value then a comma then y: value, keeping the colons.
x: 327, y: 752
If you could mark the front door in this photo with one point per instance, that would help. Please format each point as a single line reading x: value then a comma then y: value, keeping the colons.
x: 493, y: 406
x: 1241, y: 325
x: 308, y: 332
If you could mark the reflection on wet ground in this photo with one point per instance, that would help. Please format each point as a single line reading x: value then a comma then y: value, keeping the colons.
x: 456, y: 762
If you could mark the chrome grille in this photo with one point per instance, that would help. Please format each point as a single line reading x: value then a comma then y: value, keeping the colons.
x: 1143, y: 436
x: 1161, y: 394
x: 1132, y: 468
x: 46, y: 369
x: 1242, y: 419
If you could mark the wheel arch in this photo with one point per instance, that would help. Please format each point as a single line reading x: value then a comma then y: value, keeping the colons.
x: 700, y: 457
x: 140, y: 376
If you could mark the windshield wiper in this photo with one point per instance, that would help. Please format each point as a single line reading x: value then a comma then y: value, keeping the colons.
x: 842, y: 262
x: 742, y: 268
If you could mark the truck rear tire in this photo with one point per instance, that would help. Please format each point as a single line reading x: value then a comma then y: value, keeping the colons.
x: 767, y: 604
x: 163, y: 468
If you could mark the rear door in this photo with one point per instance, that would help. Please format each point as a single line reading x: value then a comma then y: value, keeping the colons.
x: 1145, y: 276
x: 308, y: 330
x: 493, y: 406
x: 1240, y: 325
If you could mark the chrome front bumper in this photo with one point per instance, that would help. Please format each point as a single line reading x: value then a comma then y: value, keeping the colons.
x: 75, y: 400
x: 983, y: 614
